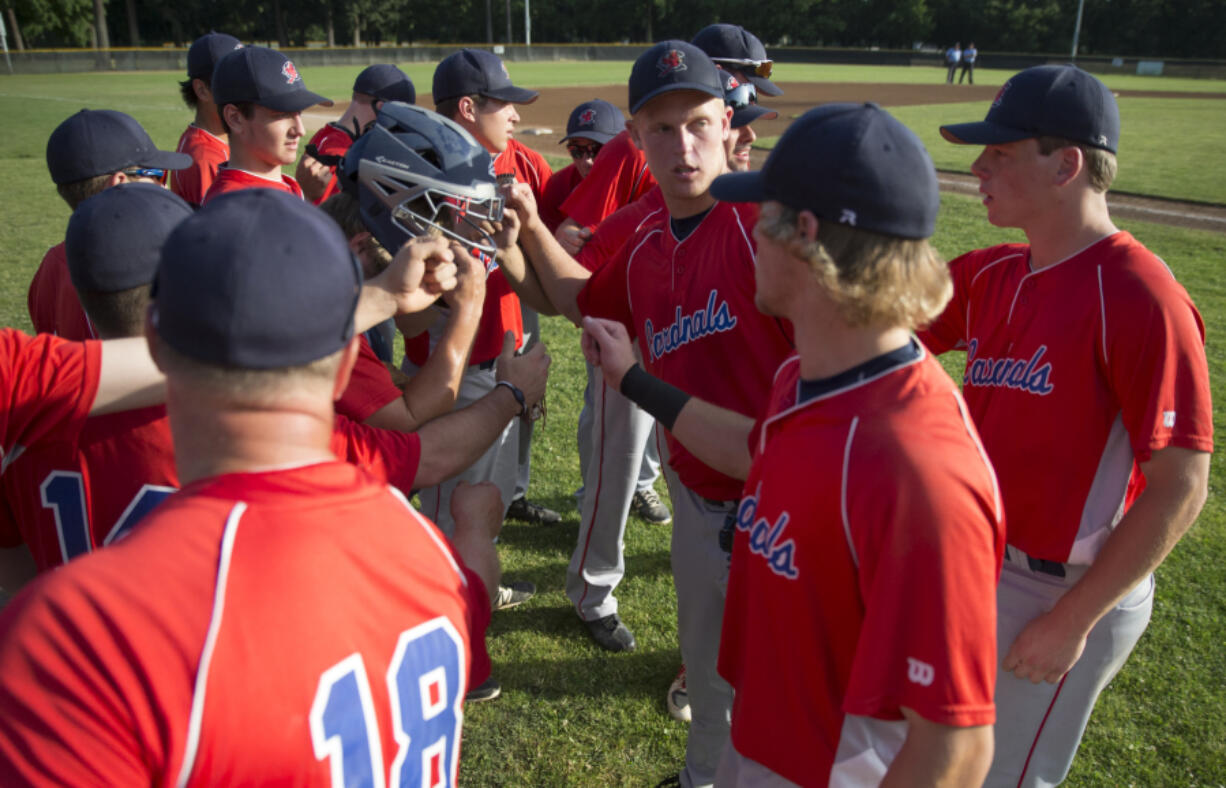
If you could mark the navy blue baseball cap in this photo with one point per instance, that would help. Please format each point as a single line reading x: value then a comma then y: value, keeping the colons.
x: 672, y: 65
x: 256, y: 279
x: 262, y: 76
x: 114, y: 239
x: 386, y: 82
x: 852, y: 164
x: 734, y: 45
x: 1055, y: 101
x: 596, y: 120
x: 101, y: 141
x: 477, y: 72
x: 743, y: 98
x: 206, y: 51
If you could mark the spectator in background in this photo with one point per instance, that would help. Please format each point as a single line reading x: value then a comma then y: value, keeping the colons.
x: 953, y: 56
x: 968, y: 63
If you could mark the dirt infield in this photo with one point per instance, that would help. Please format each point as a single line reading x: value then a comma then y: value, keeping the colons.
x: 549, y: 113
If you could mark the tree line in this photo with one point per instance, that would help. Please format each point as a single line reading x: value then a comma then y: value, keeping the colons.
x: 1156, y: 28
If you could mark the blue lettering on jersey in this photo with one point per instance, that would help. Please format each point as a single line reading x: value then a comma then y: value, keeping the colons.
x: 1032, y: 374
x: 766, y: 538
x: 711, y: 319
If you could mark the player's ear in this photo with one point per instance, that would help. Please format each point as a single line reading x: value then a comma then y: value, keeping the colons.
x: 727, y: 121
x: 632, y: 127
x: 116, y: 179
x: 151, y: 336
x: 232, y: 116
x: 807, y: 225
x: 202, y: 90
x: 349, y: 357
x: 467, y: 109
x: 1070, y: 164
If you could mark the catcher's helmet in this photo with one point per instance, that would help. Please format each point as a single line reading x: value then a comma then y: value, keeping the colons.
x: 411, y: 164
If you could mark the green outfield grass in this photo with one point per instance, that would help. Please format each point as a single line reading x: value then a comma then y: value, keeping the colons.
x: 1166, y: 144
x: 572, y: 714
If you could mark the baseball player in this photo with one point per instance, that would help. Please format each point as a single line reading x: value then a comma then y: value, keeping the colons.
x: 205, y: 139
x: 619, y: 176
x: 735, y: 49
x: 588, y: 129
x: 260, y: 97
x: 375, y: 85
x: 254, y: 331
x: 885, y: 685
x: 90, y: 151
x: 471, y: 87
x: 683, y: 286
x: 1086, y: 376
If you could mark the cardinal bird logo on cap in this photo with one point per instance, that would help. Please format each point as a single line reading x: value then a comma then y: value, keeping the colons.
x: 289, y: 72
x: 1000, y: 94
x: 732, y: 83
x: 587, y: 117
x: 670, y: 61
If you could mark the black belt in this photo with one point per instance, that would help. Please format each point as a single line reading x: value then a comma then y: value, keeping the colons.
x: 484, y: 365
x: 1053, y: 568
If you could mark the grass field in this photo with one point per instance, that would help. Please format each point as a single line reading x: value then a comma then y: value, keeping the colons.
x: 574, y: 715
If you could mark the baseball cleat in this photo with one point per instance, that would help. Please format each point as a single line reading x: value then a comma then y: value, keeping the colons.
x: 610, y: 633
x: 533, y: 513
x: 647, y: 504
x: 514, y: 594
x: 678, y: 699
x: 488, y: 690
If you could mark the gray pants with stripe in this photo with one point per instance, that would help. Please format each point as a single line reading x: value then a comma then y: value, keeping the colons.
x: 1039, y: 726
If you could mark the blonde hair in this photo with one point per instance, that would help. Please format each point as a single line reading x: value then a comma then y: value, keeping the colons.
x: 873, y: 279
x: 1101, y: 164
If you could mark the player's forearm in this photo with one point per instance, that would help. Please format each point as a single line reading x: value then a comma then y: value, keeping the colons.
x: 561, y: 276
x: 432, y: 392
x: 940, y: 755
x: 1175, y: 490
x: 524, y: 282
x: 456, y: 440
x: 479, y: 554
x: 128, y: 379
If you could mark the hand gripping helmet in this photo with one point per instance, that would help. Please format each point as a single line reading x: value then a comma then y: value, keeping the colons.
x: 411, y: 168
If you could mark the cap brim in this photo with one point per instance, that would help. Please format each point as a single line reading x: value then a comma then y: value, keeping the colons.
x: 166, y: 160
x: 513, y: 94
x: 766, y: 86
x: 982, y: 133
x: 594, y: 136
x: 294, y: 102
x: 696, y: 86
x: 739, y: 187
x: 743, y: 117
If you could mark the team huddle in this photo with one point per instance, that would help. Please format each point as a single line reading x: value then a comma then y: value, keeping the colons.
x: 943, y: 577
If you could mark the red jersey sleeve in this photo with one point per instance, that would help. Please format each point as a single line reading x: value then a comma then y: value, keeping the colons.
x: 935, y: 651
x: 619, y: 176
x: 208, y: 154
x: 556, y: 191
x: 47, y: 384
x: 370, y: 386
x: 605, y: 294
x: 388, y: 455
x: 617, y: 228
x: 331, y: 141
x: 53, y: 302
x: 1153, y: 350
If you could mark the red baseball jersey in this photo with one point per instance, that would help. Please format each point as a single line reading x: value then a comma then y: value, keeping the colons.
x: 528, y: 166
x: 85, y: 488
x: 208, y: 153
x: 869, y: 540
x: 619, y: 176
x: 618, y: 227
x: 53, y: 302
x: 370, y: 386
x: 1075, y: 373
x: 691, y: 305
x: 47, y: 384
x: 559, y: 187
x: 231, y: 180
x: 300, y: 625
x: 333, y: 141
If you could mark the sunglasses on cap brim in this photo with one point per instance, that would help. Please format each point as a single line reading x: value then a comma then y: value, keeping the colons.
x: 155, y: 173
x: 758, y: 68
x: 741, y: 96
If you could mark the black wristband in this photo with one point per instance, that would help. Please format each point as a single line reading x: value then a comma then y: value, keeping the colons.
x: 662, y: 400
x: 515, y: 392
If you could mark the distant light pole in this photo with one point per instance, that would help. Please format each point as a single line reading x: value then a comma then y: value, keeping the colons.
x: 527, y: 23
x: 1077, y: 28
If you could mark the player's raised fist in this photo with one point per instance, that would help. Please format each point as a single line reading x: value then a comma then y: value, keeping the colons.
x: 469, y: 289
x: 519, y: 198
x: 607, y: 345
x: 528, y: 372
x: 572, y: 238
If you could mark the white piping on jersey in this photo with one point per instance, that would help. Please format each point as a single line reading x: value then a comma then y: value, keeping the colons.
x: 7, y: 458
x: 1060, y: 262
x: 753, y: 256
x: 645, y: 219
x: 973, y: 434
x: 1102, y: 308
x: 196, y: 717
x: 834, y: 392
x: 432, y: 532
x: 639, y: 178
x: 966, y: 318
x: 851, y: 435
x: 630, y: 262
